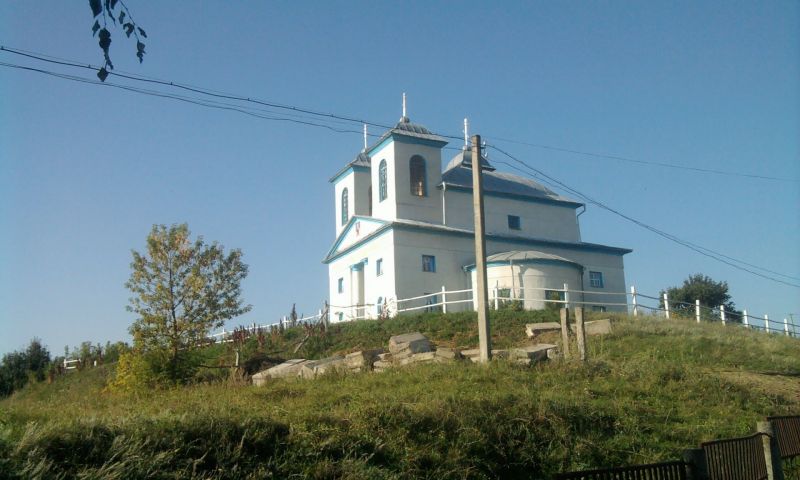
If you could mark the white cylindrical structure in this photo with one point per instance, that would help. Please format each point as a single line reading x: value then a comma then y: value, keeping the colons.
x: 722, y: 313
x: 666, y: 305
x: 633, y: 300
x: 566, y: 296
x: 444, y: 300
x: 697, y: 310
x: 786, y: 326
x: 744, y: 319
x: 766, y: 323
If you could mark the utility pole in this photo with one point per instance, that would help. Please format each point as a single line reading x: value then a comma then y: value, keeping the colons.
x: 484, y: 335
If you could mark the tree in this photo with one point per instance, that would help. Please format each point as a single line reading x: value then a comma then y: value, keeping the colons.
x: 106, y: 10
x: 18, y: 368
x: 181, y: 290
x: 712, y: 295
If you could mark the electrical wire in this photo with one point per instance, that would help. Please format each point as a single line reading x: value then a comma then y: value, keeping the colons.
x: 698, y: 249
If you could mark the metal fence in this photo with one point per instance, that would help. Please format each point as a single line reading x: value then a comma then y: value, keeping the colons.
x: 654, y: 471
x: 736, y: 458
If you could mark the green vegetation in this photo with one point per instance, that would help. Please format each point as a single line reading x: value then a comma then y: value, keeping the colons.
x: 651, y: 389
x: 712, y: 295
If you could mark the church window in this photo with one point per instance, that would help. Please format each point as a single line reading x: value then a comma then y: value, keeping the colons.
x: 513, y: 222
x: 428, y: 263
x: 341, y: 285
x: 379, y: 305
x: 345, y: 212
x: 382, y: 181
x: 596, y: 279
x: 417, y: 175
x: 379, y: 267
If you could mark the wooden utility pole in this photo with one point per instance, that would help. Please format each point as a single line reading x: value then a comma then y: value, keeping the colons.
x: 484, y: 335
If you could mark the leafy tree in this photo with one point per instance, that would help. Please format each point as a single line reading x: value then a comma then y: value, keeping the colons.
x: 18, y: 368
x: 106, y: 10
x: 712, y: 295
x: 182, y: 289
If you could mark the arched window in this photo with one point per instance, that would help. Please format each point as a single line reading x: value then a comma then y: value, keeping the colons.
x: 417, y: 175
x: 382, y: 181
x: 345, y: 212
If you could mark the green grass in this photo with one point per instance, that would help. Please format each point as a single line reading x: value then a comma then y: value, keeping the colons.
x: 651, y: 389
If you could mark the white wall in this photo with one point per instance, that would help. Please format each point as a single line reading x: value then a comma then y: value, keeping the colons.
x: 347, y: 182
x: 374, y: 285
x: 386, y: 209
x: 539, y: 220
x: 411, y: 207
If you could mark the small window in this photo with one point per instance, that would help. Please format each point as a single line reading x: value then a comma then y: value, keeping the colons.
x: 341, y: 285
x: 340, y: 315
x: 428, y: 263
x: 379, y: 306
x: 417, y: 175
x: 382, y: 181
x: 598, y: 308
x: 513, y: 222
x: 596, y: 279
x: 345, y: 207
x: 379, y: 267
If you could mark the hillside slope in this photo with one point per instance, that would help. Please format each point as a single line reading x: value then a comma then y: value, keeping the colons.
x: 651, y: 389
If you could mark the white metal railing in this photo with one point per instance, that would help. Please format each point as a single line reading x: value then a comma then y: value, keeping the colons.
x: 441, y: 300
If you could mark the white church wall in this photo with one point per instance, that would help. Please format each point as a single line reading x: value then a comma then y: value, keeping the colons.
x: 384, y: 209
x: 348, y: 182
x: 374, y: 285
x: 412, y: 207
x: 540, y: 220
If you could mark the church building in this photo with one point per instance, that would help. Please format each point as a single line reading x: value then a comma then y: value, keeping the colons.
x: 404, y: 229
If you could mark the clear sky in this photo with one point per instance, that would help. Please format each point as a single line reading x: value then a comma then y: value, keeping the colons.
x: 85, y: 171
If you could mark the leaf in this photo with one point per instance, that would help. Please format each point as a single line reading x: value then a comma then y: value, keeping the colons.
x: 102, y: 74
x: 141, y: 32
x: 128, y: 29
x: 121, y: 17
x: 95, y: 27
x: 96, y: 6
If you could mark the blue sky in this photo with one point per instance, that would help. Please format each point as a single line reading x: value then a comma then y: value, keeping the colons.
x: 85, y: 171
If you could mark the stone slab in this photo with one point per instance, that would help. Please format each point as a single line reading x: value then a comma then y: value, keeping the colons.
x: 533, y: 329
x: 363, y: 358
x: 449, y: 353
x: 595, y: 327
x: 413, y: 342
x: 533, y: 352
x: 314, y: 368
x: 289, y: 368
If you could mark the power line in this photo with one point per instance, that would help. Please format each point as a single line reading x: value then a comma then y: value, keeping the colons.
x: 697, y: 248
x: 229, y: 96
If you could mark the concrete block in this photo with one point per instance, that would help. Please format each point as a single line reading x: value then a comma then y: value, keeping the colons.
x: 595, y: 327
x: 289, y: 368
x: 314, y: 368
x: 423, y: 357
x: 449, y: 353
x: 412, y: 342
x: 385, y: 357
x: 533, y: 329
x: 380, y: 364
x: 533, y: 352
x: 362, y: 358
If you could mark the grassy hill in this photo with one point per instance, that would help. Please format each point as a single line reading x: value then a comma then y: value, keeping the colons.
x: 651, y: 389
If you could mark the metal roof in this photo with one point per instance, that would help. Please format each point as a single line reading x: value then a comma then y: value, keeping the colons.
x: 459, y: 173
x: 408, y: 129
x: 361, y: 160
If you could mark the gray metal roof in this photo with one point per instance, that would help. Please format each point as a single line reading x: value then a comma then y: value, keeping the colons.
x: 408, y: 129
x: 459, y: 173
x: 361, y: 160
x: 523, y: 256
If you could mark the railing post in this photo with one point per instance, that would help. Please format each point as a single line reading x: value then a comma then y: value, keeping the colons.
x: 565, y: 331
x: 744, y: 318
x: 666, y: 306
x: 566, y: 296
x: 722, y: 313
x: 495, y: 293
x: 786, y: 326
x: 444, y: 300
x: 580, y: 333
x: 697, y: 310
x: 766, y: 323
x: 698, y: 466
x: 772, y: 454
x: 633, y: 300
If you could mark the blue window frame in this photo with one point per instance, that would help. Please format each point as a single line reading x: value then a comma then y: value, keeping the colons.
x: 513, y: 222
x: 379, y: 267
x: 416, y: 172
x: 341, y: 285
x: 428, y: 263
x: 382, y: 193
x: 345, y: 207
x: 596, y: 279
